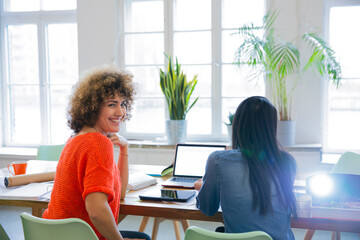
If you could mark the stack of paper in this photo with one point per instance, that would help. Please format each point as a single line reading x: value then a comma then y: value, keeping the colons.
x: 139, y: 180
x: 32, y: 191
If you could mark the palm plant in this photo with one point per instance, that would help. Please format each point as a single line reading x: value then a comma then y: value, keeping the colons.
x: 280, y: 61
x: 177, y: 90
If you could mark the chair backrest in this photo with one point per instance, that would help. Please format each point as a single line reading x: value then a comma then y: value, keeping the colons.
x: 49, y: 152
x: 61, y: 229
x: 196, y: 233
x: 3, y: 234
x: 349, y: 163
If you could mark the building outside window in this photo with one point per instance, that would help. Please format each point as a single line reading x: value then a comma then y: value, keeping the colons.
x: 39, y: 67
x: 201, y: 35
x: 342, y: 115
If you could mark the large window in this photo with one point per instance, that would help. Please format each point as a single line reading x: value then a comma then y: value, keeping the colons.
x: 201, y: 35
x: 342, y: 118
x: 39, y: 66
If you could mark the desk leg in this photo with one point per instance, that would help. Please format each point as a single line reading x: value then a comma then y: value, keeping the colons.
x: 185, y: 224
x: 157, y: 221
x: 309, y: 234
x: 335, y: 236
x: 121, y: 217
x: 37, y: 212
x: 177, y: 230
x: 143, y: 224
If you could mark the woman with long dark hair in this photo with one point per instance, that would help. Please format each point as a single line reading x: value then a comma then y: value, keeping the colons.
x: 253, y: 182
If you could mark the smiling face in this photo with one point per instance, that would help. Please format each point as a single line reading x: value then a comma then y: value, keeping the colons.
x: 112, y: 113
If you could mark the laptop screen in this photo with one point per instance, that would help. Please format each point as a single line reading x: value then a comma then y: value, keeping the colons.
x: 190, y: 159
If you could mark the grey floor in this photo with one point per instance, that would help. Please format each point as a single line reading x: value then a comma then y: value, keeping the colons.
x: 10, y: 220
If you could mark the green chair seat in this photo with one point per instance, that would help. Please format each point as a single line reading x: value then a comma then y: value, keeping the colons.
x: 196, y: 233
x: 61, y: 229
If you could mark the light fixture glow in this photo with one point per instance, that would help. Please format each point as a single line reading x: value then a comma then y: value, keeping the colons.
x: 321, y: 185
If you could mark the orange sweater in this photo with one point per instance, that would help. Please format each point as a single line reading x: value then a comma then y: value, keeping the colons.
x: 86, y: 165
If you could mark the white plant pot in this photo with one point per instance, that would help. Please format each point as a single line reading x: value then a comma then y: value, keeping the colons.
x: 286, y: 133
x: 176, y: 131
x: 229, y: 130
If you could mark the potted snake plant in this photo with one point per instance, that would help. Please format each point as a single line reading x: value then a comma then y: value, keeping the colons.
x: 177, y: 91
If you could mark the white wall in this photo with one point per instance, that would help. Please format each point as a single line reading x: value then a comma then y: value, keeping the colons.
x: 97, y: 25
x: 96, y: 32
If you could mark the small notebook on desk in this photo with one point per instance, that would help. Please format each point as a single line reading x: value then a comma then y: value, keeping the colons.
x: 138, y: 180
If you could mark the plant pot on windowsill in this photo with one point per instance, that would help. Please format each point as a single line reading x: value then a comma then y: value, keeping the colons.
x: 176, y: 131
x: 286, y: 133
x: 177, y: 91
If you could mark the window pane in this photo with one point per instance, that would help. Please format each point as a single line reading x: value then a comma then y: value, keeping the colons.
x: 236, y: 13
x: 63, y: 53
x: 193, y: 47
x: 230, y: 43
x: 144, y: 16
x: 59, y: 98
x: 144, y: 49
x: 203, y: 87
x: 23, y: 54
x: 345, y: 40
x: 21, y: 5
x: 148, y: 81
x: 148, y: 116
x: 58, y: 5
x: 192, y: 15
x: 344, y: 116
x: 199, y: 117
x: 236, y: 82
x: 25, y: 114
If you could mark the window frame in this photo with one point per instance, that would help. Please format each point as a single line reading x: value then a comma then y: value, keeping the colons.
x: 40, y: 19
x: 328, y: 4
x: 216, y: 64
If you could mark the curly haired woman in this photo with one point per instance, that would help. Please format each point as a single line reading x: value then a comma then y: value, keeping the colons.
x: 88, y: 182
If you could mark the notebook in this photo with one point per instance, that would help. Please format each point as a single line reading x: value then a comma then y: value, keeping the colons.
x: 189, y: 164
x: 167, y: 195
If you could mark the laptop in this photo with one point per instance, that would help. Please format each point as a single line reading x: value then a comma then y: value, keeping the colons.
x: 189, y: 164
x: 167, y: 195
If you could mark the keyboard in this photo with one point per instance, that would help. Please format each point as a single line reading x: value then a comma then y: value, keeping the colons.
x: 184, y: 179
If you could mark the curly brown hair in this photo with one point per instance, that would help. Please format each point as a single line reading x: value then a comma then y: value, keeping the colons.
x: 93, y: 88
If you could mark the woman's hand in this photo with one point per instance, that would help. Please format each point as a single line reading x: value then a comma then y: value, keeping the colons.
x: 198, y: 184
x: 118, y: 140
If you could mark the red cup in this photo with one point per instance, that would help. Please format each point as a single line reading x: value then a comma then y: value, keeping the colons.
x: 19, y: 168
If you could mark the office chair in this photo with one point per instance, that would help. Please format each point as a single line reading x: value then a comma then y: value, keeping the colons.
x: 3, y: 234
x: 196, y: 233
x: 348, y: 163
x: 62, y: 229
x: 49, y: 152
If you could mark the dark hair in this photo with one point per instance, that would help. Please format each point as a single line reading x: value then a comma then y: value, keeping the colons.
x: 254, y: 134
x: 91, y: 91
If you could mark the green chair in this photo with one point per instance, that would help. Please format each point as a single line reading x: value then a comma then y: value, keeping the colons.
x: 49, y: 152
x: 3, y: 234
x: 348, y: 163
x: 61, y: 229
x: 196, y: 233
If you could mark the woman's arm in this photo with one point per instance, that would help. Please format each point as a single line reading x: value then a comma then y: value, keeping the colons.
x: 208, y: 198
x: 123, y: 163
x: 101, y: 215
